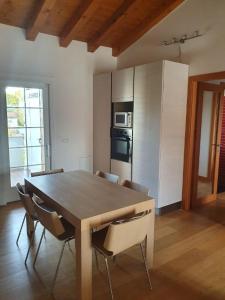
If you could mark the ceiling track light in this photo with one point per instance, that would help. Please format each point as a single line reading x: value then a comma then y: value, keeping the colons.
x: 182, y: 39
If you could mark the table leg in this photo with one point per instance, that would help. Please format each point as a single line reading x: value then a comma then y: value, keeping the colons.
x: 84, y: 262
x: 150, y: 239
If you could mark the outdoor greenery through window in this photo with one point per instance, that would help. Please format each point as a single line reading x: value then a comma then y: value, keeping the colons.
x: 25, y: 131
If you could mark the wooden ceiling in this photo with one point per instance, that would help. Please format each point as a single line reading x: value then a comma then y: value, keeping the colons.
x: 111, y: 23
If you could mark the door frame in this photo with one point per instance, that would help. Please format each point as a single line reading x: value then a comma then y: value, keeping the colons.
x: 214, y: 135
x: 191, y: 119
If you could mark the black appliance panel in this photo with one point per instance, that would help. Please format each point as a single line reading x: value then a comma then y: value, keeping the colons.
x: 121, y: 144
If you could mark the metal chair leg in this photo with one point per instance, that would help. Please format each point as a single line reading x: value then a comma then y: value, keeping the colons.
x: 146, y: 266
x: 57, y: 268
x: 109, y: 277
x: 31, y: 242
x: 96, y: 259
x: 17, y: 240
x: 69, y: 247
x: 39, y: 245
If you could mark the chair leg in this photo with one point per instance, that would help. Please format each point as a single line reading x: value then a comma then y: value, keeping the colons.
x: 17, y: 240
x: 109, y: 277
x: 31, y: 242
x: 58, y: 264
x: 96, y: 259
x: 39, y: 245
x: 146, y: 267
x: 69, y: 247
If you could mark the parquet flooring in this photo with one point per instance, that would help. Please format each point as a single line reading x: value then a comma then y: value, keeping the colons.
x: 189, y: 261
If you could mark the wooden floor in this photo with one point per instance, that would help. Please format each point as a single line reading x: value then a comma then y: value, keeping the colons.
x: 189, y: 261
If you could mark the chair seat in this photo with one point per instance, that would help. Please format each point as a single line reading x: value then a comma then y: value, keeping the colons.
x: 69, y: 230
x: 98, y: 238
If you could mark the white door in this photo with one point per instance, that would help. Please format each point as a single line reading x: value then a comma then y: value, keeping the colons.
x: 25, y: 139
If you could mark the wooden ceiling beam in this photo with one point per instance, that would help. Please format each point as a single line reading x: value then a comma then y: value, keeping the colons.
x: 147, y: 24
x: 78, y: 18
x: 1, y: 3
x: 109, y: 25
x: 40, y: 15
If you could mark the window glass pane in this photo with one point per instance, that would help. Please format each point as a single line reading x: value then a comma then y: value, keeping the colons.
x: 34, y: 117
x: 120, y: 147
x: 17, y: 137
x: 16, y: 117
x: 36, y: 155
x: 25, y: 131
x: 120, y: 119
x: 35, y: 136
x: 17, y: 157
x: 33, y: 97
x: 14, y: 96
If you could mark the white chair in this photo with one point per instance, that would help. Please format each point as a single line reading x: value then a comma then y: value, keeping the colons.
x: 108, y: 176
x: 58, y: 227
x: 135, y: 186
x: 119, y: 236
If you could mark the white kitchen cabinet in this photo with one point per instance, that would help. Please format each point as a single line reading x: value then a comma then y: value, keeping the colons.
x: 101, y: 122
x: 160, y: 96
x: 123, y: 85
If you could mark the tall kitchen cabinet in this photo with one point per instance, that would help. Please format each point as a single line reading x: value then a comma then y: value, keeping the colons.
x: 160, y: 96
x: 122, y: 91
x: 101, y: 122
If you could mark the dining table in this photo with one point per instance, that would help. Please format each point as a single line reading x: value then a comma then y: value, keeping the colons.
x: 87, y: 202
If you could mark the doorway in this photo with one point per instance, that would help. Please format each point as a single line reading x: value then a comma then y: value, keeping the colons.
x: 202, y: 166
x: 25, y: 136
x: 207, y: 142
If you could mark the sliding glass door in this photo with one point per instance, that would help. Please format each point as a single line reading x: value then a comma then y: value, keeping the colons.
x: 25, y: 124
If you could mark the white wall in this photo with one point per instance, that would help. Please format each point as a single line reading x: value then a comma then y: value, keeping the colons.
x: 205, y: 54
x: 69, y: 71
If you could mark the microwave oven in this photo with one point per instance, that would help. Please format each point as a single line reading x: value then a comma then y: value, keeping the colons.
x: 123, y: 119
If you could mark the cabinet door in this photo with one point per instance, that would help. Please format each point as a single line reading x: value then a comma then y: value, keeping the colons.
x: 122, y: 85
x: 146, y: 128
x: 172, y: 138
x: 101, y: 122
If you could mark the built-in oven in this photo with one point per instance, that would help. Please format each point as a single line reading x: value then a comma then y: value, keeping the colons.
x: 121, y: 144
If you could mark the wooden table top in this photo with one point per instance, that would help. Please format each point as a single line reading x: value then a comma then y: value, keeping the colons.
x: 85, y: 195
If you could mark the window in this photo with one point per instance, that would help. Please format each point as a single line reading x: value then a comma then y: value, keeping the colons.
x: 27, y: 137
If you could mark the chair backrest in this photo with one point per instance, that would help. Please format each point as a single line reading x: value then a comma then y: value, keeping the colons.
x: 49, y: 172
x: 123, y: 234
x: 26, y: 200
x: 49, y: 219
x: 110, y: 177
x: 135, y: 186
